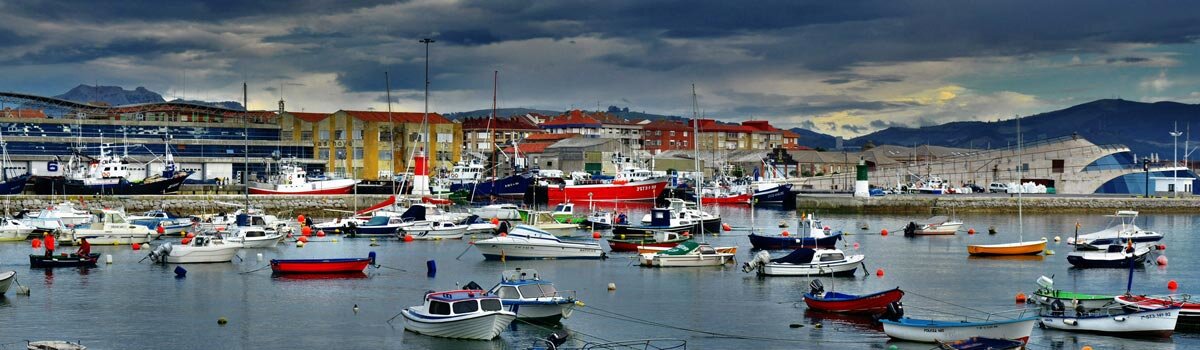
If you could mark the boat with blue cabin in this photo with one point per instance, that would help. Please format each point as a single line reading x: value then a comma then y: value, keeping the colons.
x: 526, y: 294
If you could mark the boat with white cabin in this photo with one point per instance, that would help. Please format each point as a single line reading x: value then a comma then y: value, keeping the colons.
x: 689, y: 254
x: 1122, y: 228
x: 110, y: 227
x: 463, y: 314
x: 293, y: 179
x: 198, y: 249
x: 805, y: 262
x: 528, y: 242
x: 12, y: 230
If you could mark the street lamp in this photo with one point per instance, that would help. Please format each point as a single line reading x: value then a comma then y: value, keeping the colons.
x: 1146, y: 170
x: 1175, y: 148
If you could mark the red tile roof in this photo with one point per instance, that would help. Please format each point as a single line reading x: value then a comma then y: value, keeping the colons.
x: 549, y: 137
x: 310, y: 117
x: 666, y: 125
x: 575, y: 117
x: 511, y: 123
x: 398, y: 117
x: 23, y: 113
x: 539, y: 147
x: 760, y: 126
x: 790, y: 134
x: 709, y: 125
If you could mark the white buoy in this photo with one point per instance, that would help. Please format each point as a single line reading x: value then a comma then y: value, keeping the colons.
x: 612, y: 286
x: 260, y: 257
x: 145, y: 245
x: 108, y: 259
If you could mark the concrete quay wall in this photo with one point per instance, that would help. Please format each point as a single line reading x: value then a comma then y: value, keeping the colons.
x: 932, y: 204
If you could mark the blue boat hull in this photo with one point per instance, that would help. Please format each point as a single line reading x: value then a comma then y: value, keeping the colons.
x: 780, y: 242
x: 14, y: 185
x: 511, y: 186
x: 774, y: 195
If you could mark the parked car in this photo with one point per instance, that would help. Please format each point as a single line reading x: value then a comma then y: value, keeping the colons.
x: 998, y: 187
x: 875, y: 192
x: 976, y: 188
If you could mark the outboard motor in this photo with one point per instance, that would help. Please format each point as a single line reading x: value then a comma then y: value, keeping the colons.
x: 351, y: 228
x: 894, y: 312
x: 160, y: 253
x: 503, y: 227
x: 1057, y: 308
x: 558, y: 338
x: 816, y: 287
x: 760, y: 259
x: 371, y: 255
x: 910, y: 230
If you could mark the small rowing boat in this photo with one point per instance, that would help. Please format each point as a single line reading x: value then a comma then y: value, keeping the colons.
x: 65, y: 260
x: 1113, y: 321
x: 931, y: 331
x: 875, y: 303
x: 477, y: 315
x: 322, y: 266
x: 1018, y: 248
x: 6, y: 279
x: 1046, y: 295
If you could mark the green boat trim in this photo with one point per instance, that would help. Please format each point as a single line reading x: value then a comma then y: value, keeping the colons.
x: 682, y: 249
x: 1059, y: 294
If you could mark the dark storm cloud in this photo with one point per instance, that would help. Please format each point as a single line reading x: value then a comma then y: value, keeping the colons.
x: 857, y: 129
x: 1126, y: 60
x: 880, y: 124
x: 807, y: 125
x: 149, y: 10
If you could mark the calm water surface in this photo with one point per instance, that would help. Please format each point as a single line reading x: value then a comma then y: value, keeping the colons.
x: 132, y: 305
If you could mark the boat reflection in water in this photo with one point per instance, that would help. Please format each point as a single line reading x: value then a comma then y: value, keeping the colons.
x: 318, y: 276
x: 836, y: 320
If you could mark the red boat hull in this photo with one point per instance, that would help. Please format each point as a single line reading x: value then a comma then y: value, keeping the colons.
x: 739, y: 199
x: 336, y: 190
x: 868, y: 304
x: 1190, y: 310
x: 626, y: 246
x: 320, y: 266
x: 607, y: 192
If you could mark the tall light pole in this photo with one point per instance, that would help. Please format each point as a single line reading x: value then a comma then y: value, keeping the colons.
x: 391, y: 132
x: 425, y: 120
x: 1175, y: 148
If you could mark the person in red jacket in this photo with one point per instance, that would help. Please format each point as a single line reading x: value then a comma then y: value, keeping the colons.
x: 49, y: 241
x: 85, y: 248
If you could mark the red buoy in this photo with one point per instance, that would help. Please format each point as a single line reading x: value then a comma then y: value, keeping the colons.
x: 883, y: 232
x: 726, y: 227
x: 495, y: 221
x: 408, y: 238
x: 1172, y: 285
x: 595, y: 235
x: 304, y: 239
x: 971, y: 231
x: 1162, y: 260
x: 37, y: 243
x: 160, y: 229
x: 300, y: 219
x: 855, y: 245
x: 785, y: 233
x: 185, y: 240
x: 306, y: 231
x: 138, y: 246
x: 1021, y: 298
x: 320, y: 233
x: 190, y: 235
x: 1162, y: 247
x: 503, y: 234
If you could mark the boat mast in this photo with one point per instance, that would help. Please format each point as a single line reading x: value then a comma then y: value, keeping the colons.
x: 425, y: 119
x: 1020, y: 186
x: 246, y: 149
x: 696, y: 157
x: 391, y: 134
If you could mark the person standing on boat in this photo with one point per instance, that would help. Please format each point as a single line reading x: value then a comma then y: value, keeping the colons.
x: 49, y: 241
x: 85, y: 248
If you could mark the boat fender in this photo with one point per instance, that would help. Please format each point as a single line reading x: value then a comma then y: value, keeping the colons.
x: 1119, y: 318
x: 1070, y: 322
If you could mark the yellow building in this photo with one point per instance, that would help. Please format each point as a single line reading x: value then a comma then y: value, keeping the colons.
x: 360, y: 143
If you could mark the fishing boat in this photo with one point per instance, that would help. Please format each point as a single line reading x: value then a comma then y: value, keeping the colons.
x: 322, y: 266
x: 665, y: 239
x: 432, y: 230
x: 6, y: 280
x: 63, y: 260
x: 110, y: 227
x: 526, y: 294
x: 108, y: 174
x: 463, y: 314
x: 937, y: 225
x: 1121, y: 229
x: 772, y: 192
x: 815, y: 236
x: 199, y: 249
x: 1189, y: 312
x: 805, y: 262
x: 293, y: 179
x: 981, y: 343
x: 606, y: 190
x: 255, y: 237
x: 1018, y: 248
x: 724, y: 195
x: 1112, y: 321
x: 12, y: 230
x: 1046, y: 294
x: 171, y: 223
x: 599, y: 219
x: 689, y: 210
x: 1115, y: 256
x: 11, y: 181
x: 874, y: 303
x: 528, y: 242
x: 687, y: 254
x: 932, y: 331
x: 509, y: 186
x: 661, y: 219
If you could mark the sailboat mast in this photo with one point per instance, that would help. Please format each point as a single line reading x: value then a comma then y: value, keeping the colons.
x: 696, y: 147
x: 391, y: 133
x: 1020, y: 185
x: 425, y: 119
x: 492, y: 132
x: 246, y: 146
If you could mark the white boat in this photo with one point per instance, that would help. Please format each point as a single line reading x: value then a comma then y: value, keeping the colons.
x: 934, y: 185
x: 338, y: 225
x: 59, y: 216
x: 1122, y: 228
x: 1115, y: 321
x: 688, y: 254
x: 430, y: 230
x: 932, y: 331
x: 529, y: 296
x: 12, y: 230
x: 293, y: 179
x: 937, y: 225
x: 463, y: 314
x: 255, y: 237
x: 477, y: 225
x: 110, y: 227
x: 6, y: 280
x: 503, y: 212
x: 1114, y: 256
x: 201, y: 249
x: 528, y: 242
x: 171, y: 224
x: 805, y: 262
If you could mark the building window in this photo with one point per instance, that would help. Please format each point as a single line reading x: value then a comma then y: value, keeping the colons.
x: 1056, y: 166
x: 306, y: 136
x: 385, y: 136
x: 324, y: 135
x: 323, y: 153
x: 339, y: 134
x: 358, y: 134
x: 385, y: 155
x: 445, y: 138
x: 358, y: 153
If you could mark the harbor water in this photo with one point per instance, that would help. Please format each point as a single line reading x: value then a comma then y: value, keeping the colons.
x: 133, y: 304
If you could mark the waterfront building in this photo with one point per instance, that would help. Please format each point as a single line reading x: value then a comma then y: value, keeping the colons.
x: 666, y: 135
x: 482, y: 135
x: 361, y: 144
x: 597, y: 125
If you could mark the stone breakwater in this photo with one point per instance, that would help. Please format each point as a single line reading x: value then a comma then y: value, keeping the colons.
x: 283, y: 206
x: 932, y: 204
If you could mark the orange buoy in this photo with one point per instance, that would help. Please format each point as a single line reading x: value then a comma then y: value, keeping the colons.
x: 1021, y: 298
x: 970, y: 231
x: 1172, y: 285
x: 37, y: 243
x: 1162, y: 260
x: 1086, y: 347
x: 300, y: 219
x: 879, y: 273
x: 495, y: 221
x: 320, y: 233
x: 304, y: 239
x: 595, y: 235
x: 306, y: 231
x: 190, y: 235
x: 883, y: 232
x: 785, y: 233
x: 185, y: 240
x: 726, y: 227
x: 408, y: 238
x: 503, y: 234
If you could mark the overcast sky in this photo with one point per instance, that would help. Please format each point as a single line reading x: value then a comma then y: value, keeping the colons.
x: 844, y: 68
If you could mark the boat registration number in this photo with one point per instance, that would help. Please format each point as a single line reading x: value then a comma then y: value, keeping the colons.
x: 645, y: 188
x: 1157, y: 315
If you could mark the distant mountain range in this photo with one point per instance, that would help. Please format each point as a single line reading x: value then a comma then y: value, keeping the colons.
x: 500, y: 112
x: 1142, y: 126
x: 118, y: 96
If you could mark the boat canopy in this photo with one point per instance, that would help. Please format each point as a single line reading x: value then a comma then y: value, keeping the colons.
x: 682, y: 249
x: 414, y: 213
x: 660, y: 217
x: 798, y: 256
